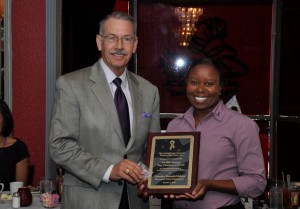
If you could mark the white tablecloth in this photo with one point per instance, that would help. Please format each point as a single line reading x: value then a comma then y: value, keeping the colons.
x: 36, y: 204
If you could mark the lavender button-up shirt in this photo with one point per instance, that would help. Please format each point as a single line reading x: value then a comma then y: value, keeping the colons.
x: 229, y: 149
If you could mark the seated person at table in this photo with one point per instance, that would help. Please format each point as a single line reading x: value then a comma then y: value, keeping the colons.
x: 14, y: 156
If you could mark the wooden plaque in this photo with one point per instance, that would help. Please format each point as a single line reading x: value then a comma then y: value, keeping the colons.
x: 172, y: 159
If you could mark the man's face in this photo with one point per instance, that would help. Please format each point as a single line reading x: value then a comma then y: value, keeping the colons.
x: 117, y: 44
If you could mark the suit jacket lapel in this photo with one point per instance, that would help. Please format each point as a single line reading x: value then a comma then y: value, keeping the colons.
x: 103, y: 93
x: 136, y: 98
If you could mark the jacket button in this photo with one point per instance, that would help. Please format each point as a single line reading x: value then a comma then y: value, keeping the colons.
x: 120, y: 183
x: 125, y: 156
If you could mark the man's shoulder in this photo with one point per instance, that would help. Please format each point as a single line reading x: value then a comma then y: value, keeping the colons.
x: 141, y: 80
x: 80, y: 74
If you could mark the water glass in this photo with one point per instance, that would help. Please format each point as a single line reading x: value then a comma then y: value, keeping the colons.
x: 276, y: 195
x: 46, y: 187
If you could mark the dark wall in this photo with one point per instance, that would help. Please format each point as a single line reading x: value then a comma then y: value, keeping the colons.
x: 289, y: 100
x: 79, y: 29
x: 289, y: 70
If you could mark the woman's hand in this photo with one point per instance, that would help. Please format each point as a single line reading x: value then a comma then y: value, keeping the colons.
x: 141, y: 189
x: 198, y: 192
x: 204, y: 185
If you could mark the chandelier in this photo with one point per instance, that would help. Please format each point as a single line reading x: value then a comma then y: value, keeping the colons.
x: 187, y: 16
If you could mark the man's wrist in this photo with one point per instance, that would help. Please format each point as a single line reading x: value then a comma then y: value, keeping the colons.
x: 107, y: 174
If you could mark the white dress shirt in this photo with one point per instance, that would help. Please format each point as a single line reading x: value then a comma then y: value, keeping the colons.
x: 110, y: 76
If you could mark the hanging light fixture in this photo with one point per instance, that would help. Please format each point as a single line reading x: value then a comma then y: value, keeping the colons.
x: 187, y: 16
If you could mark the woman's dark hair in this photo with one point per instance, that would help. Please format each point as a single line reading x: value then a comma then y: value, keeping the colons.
x: 8, y: 122
x: 212, y: 62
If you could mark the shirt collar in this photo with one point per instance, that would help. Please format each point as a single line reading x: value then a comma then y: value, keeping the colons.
x: 217, y: 112
x: 110, y: 76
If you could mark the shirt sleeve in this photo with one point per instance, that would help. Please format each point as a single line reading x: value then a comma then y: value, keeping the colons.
x: 107, y: 174
x: 252, y: 181
x: 22, y: 151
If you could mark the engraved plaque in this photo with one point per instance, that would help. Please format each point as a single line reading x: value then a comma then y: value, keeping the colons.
x: 172, y: 159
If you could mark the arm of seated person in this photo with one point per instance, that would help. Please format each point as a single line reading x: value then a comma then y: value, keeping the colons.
x: 22, y: 170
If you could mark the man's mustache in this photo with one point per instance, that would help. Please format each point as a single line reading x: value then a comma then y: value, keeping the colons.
x: 119, y: 52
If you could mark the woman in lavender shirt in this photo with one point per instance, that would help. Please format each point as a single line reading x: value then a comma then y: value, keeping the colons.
x: 231, y: 163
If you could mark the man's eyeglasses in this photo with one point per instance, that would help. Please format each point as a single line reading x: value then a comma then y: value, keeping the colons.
x: 113, y: 39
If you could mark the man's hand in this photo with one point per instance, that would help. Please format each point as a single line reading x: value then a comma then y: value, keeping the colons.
x: 128, y: 171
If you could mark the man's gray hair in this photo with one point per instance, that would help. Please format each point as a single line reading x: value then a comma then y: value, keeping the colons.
x: 120, y: 16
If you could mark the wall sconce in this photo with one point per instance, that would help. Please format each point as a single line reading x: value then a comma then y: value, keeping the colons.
x: 187, y: 16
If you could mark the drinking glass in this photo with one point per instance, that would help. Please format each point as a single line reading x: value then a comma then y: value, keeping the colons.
x: 46, y: 187
x: 276, y: 194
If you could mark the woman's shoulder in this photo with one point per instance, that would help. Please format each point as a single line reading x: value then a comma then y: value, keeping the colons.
x: 238, y: 120
x: 181, y: 122
x: 17, y: 149
x: 11, y: 141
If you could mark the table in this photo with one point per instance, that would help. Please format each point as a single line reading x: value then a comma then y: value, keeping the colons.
x: 36, y: 204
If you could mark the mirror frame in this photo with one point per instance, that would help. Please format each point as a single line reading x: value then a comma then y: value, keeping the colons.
x: 8, y: 54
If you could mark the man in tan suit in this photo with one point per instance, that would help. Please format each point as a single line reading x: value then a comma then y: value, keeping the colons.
x: 86, y: 136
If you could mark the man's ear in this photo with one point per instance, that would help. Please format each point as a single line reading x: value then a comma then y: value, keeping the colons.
x: 99, y: 42
x: 135, y: 45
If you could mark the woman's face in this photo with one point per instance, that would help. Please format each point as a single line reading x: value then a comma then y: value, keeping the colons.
x: 203, y: 87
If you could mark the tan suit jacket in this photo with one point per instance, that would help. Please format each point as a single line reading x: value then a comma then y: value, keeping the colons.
x: 86, y: 137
